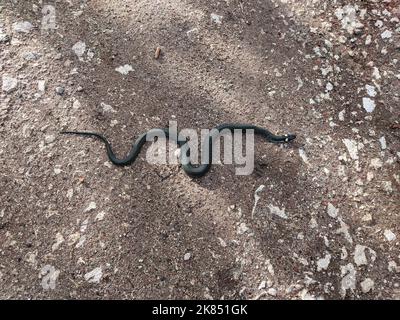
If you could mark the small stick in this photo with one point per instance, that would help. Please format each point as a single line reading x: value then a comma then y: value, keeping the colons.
x: 157, y: 53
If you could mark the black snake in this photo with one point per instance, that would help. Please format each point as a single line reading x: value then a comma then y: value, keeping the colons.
x: 193, y: 171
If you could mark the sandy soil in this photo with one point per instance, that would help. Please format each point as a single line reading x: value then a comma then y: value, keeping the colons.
x: 326, y: 224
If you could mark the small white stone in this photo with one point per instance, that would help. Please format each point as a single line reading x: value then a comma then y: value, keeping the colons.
x: 386, y: 34
x: 369, y: 105
x: 277, y: 211
x: 367, y: 285
x: 94, y: 276
x: 92, y: 205
x: 125, y: 69
x: 332, y: 211
x: 352, y: 148
x: 79, y: 48
x: 303, y: 156
x: 323, y: 263
x: 341, y: 115
x: 76, y: 104
x: 272, y: 292
x: 22, y: 27
x: 262, y: 285
x: 242, y: 228
x: 329, y: 87
x: 100, y: 216
x: 107, y: 108
x: 216, y: 18
x: 42, y: 85
x: 9, y: 84
x: 382, y: 141
x: 187, y: 256
x: 389, y: 235
x: 376, y: 163
x: 349, y: 279
x: 371, y: 91
x: 359, y: 255
x: 49, y: 138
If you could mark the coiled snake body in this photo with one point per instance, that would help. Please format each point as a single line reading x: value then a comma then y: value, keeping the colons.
x: 193, y: 171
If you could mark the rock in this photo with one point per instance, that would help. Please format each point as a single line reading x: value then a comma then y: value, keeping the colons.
x: 352, y: 148
x: 42, y: 85
x: 386, y: 34
x: 277, y: 211
x: 92, y: 205
x: 94, y: 276
x: 9, y: 84
x: 124, y: 70
x: 100, y: 216
x: 367, y: 285
x: 79, y: 48
x: 31, y: 56
x: 216, y: 18
x: 303, y: 156
x: 272, y: 292
x: 371, y: 91
x: 49, y: 138
x: 4, y: 37
x: 22, y: 27
x: 107, y: 108
x: 187, y: 256
x: 382, y: 142
x: 345, y: 230
x: 348, y: 282
x: 389, y: 235
x: 360, y: 258
x: 369, y: 105
x: 323, y: 263
x: 376, y: 163
x: 60, y: 90
x: 242, y: 228
x: 332, y: 211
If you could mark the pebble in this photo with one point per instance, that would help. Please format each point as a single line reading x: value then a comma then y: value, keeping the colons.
x: 389, y: 235
x: 94, y: 276
x: 187, y: 256
x: 367, y: 285
x: 351, y: 146
x: 60, y: 90
x: 125, y: 69
x: 22, y: 27
x: 386, y: 34
x: 100, y: 216
x: 216, y: 18
x: 348, y: 279
x: 9, y: 84
x: 369, y: 105
x: 382, y: 142
x: 323, y: 263
x: 92, y: 205
x: 42, y: 85
x: 4, y: 37
x: 370, y: 90
x: 277, y: 211
x: 79, y: 48
x: 332, y: 211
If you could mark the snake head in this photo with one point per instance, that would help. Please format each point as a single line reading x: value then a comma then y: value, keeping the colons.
x: 290, y: 137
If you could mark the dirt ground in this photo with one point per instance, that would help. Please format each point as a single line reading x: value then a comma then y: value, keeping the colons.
x: 326, y: 223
